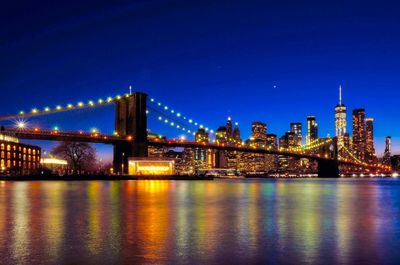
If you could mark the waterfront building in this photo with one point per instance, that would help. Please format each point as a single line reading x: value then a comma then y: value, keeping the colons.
x: 312, y: 129
x: 296, y: 128
x: 18, y: 158
x: 388, y: 150
x: 359, y: 139
x: 150, y: 166
x: 369, y: 140
x: 54, y: 165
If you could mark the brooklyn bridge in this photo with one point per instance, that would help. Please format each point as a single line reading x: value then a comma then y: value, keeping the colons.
x: 131, y: 139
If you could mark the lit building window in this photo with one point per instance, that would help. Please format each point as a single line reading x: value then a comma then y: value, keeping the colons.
x: 2, y: 146
x: 8, y: 147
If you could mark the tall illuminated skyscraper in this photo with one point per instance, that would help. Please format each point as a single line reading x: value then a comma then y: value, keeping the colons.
x: 296, y: 128
x: 259, y: 131
x: 340, y: 119
x: 312, y: 129
x: 369, y: 140
x: 229, y: 129
x: 236, y: 133
x: 359, y: 139
x: 388, y: 150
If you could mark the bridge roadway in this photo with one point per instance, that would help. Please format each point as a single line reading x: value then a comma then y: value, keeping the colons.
x: 73, y: 136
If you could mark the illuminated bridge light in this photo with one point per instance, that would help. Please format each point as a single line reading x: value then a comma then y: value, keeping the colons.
x: 178, y: 114
x: 109, y: 99
x: 201, y: 126
x: 172, y: 111
x: 152, y: 100
x: 90, y: 103
x: 34, y: 111
x: 166, y: 121
x: 190, y: 120
x: 177, y: 126
x: 58, y: 107
x: 166, y: 107
x: 70, y: 106
x: 159, y: 118
x: 159, y: 103
x: 172, y: 123
x: 100, y: 101
x: 211, y: 131
x: 118, y: 97
x: 80, y: 104
x: 21, y: 112
x: 183, y: 129
x: 46, y: 109
x: 196, y: 123
x: 147, y: 111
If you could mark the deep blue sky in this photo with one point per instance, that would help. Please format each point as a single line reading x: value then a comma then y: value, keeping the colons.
x: 274, y: 61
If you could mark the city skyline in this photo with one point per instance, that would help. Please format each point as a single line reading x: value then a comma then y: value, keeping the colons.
x: 243, y: 60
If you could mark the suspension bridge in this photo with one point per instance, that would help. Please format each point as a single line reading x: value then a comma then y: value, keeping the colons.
x: 130, y: 138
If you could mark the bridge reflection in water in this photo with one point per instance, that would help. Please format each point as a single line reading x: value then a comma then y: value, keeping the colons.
x: 271, y: 221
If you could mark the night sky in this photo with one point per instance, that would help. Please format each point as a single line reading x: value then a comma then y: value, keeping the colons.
x: 273, y: 61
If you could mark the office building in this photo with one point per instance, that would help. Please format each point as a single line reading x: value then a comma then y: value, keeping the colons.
x: 312, y: 129
x: 369, y: 140
x: 296, y: 128
x: 359, y: 139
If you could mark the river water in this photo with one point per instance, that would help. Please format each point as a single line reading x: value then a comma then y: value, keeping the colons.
x: 304, y: 221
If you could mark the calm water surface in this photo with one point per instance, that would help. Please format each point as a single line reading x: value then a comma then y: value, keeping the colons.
x: 308, y: 221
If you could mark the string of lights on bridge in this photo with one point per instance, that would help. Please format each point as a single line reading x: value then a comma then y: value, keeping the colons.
x: 109, y: 100
x: 179, y: 115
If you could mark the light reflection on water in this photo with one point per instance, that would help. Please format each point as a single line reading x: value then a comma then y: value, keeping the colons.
x: 309, y: 221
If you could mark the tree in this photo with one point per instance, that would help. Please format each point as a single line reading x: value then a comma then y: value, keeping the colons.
x: 80, y: 156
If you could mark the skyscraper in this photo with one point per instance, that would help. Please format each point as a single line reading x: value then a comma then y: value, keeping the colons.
x: 388, y: 150
x: 229, y: 129
x: 296, y: 128
x: 359, y: 139
x: 272, y: 141
x: 259, y: 131
x: 340, y: 119
x: 312, y: 129
x: 369, y: 140
x: 236, y: 133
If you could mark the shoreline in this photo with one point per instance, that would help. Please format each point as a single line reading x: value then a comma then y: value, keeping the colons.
x: 99, y: 177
